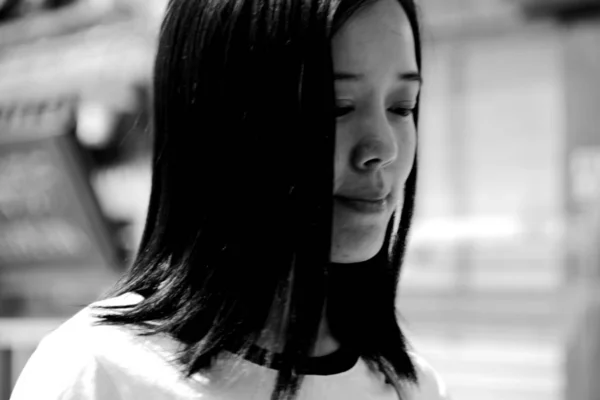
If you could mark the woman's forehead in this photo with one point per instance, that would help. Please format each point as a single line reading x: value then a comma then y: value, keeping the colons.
x: 380, y: 34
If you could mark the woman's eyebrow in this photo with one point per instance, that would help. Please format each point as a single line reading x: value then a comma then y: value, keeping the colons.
x: 411, y: 76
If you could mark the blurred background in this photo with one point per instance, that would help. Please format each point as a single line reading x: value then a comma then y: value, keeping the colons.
x: 499, y: 289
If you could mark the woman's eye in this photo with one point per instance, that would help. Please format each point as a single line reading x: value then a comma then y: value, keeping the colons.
x: 402, y: 111
x: 345, y: 109
x: 341, y: 110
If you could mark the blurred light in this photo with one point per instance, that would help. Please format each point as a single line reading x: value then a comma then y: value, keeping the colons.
x: 94, y: 124
x: 458, y: 229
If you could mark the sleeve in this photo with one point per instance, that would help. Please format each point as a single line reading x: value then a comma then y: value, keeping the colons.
x: 64, y: 371
x: 431, y: 385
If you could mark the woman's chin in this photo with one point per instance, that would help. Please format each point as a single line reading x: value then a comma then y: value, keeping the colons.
x: 354, y: 254
x: 355, y: 243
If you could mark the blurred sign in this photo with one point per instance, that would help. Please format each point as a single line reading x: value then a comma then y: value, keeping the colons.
x: 585, y: 175
x: 48, y: 212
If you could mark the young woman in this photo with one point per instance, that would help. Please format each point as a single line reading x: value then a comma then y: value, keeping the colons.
x: 283, y: 186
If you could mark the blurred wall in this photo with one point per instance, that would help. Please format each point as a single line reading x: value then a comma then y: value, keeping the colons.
x: 581, y: 61
x: 484, y: 276
x: 500, y: 284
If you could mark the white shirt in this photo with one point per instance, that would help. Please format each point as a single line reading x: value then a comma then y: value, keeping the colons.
x: 83, y: 361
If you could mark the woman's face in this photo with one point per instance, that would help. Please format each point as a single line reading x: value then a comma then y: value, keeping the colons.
x: 376, y: 87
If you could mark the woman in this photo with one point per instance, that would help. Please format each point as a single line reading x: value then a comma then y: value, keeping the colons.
x: 283, y: 185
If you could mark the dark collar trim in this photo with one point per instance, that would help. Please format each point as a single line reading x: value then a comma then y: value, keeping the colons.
x: 339, y: 361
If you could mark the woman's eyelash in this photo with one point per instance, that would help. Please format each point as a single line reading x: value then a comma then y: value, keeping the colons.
x: 340, y: 111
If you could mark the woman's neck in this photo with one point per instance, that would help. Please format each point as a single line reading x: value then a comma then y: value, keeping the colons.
x: 270, y: 340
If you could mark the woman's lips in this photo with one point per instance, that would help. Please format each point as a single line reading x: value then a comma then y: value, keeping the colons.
x: 365, y: 206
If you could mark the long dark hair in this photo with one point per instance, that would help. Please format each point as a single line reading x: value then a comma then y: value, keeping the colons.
x: 241, y: 205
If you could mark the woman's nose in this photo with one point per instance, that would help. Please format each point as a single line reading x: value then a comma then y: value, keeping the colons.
x: 376, y: 147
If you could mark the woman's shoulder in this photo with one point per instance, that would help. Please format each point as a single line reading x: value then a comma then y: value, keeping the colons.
x: 107, y: 342
x: 431, y: 386
x: 65, y: 363
x: 82, y: 359
x: 83, y: 330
